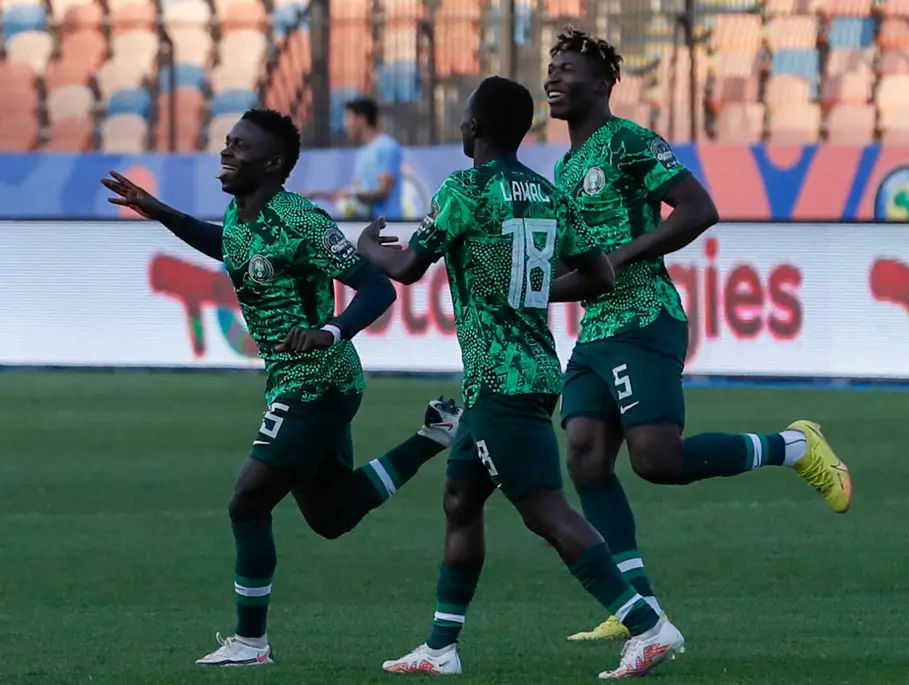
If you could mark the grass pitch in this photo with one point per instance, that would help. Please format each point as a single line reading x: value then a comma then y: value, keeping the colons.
x: 116, y: 556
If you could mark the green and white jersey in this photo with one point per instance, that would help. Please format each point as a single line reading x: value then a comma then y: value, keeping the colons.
x: 282, y: 266
x: 618, y: 179
x: 502, y: 229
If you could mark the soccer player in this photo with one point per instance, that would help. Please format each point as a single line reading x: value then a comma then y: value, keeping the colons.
x: 624, y: 379
x: 282, y: 254
x: 502, y: 229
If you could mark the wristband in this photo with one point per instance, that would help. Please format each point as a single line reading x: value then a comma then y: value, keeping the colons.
x: 334, y: 330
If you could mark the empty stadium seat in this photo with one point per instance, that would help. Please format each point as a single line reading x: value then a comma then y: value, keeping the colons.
x: 796, y: 124
x: 851, y: 87
x: 185, y: 75
x: 399, y: 82
x: 119, y: 74
x: 851, y: 32
x: 84, y: 46
x: 244, y: 47
x: 894, y: 33
x: 19, y: 131
x: 131, y: 15
x: 783, y: 91
x: 896, y: 8
x: 70, y: 102
x: 192, y: 44
x: 792, y: 33
x: 21, y: 18
x: 125, y: 133
x: 848, y: 8
x: 226, y: 77
x: 186, y: 13
x: 18, y: 85
x: 782, y: 8
x: 802, y: 63
x: 894, y: 62
x: 240, y: 16
x: 71, y: 135
x: 851, y: 124
x: 738, y: 33
x: 740, y: 123
x: 129, y: 101
x: 140, y: 47
x: 232, y: 102
x: 33, y: 48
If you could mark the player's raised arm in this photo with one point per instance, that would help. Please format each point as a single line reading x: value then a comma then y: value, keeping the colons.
x: 591, y: 273
x: 650, y: 162
x: 203, y: 236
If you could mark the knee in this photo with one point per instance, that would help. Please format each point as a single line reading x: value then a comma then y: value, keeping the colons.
x: 587, y: 457
x: 330, y: 528
x: 656, y: 457
x: 461, y: 508
x: 243, y: 506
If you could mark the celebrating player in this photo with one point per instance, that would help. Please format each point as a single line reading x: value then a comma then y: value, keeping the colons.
x: 282, y: 253
x: 624, y: 379
x: 502, y: 229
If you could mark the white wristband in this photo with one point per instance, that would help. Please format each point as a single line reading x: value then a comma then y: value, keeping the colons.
x: 334, y: 330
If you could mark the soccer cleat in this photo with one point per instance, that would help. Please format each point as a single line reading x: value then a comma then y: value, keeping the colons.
x: 440, y: 423
x: 822, y: 469
x: 643, y: 652
x: 423, y: 660
x: 234, y: 652
x: 610, y: 629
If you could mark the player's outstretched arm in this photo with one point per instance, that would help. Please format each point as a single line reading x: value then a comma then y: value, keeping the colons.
x: 591, y: 277
x: 403, y: 266
x: 693, y: 213
x: 204, y: 237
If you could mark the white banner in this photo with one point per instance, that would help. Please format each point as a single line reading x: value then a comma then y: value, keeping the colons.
x: 764, y: 299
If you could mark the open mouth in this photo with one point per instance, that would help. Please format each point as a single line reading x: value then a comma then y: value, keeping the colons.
x: 226, y: 170
x: 554, y: 96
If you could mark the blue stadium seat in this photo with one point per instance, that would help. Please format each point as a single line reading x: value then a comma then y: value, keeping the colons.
x: 339, y: 98
x: 233, y: 101
x: 188, y: 76
x: 286, y: 17
x: 803, y: 63
x: 23, y: 18
x: 399, y: 82
x: 523, y: 21
x: 851, y: 32
x: 129, y: 101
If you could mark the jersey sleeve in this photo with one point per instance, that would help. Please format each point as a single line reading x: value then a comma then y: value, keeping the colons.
x: 388, y: 158
x: 322, y: 245
x: 450, y: 214
x: 578, y: 245
x: 648, y: 160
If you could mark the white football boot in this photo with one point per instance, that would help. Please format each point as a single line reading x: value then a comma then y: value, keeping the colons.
x: 642, y: 652
x: 235, y: 652
x: 426, y: 661
x: 440, y: 423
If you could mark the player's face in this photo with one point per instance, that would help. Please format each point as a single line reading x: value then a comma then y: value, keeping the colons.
x: 469, y: 128
x: 250, y: 156
x: 573, y: 87
x: 353, y: 126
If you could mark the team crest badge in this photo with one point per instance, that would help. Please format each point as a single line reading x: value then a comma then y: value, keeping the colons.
x: 664, y: 154
x: 429, y: 221
x: 594, y: 181
x: 260, y: 269
x: 337, y: 245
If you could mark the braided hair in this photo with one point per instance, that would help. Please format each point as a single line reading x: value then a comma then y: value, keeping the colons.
x: 598, y: 50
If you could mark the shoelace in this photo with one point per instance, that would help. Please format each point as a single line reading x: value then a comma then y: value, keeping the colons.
x: 225, y: 641
x: 818, y: 475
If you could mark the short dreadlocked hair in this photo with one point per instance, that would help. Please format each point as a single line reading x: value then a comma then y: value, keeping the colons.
x: 283, y: 129
x: 597, y: 49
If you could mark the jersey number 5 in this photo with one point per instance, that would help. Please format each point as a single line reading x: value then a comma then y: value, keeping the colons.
x: 525, y: 257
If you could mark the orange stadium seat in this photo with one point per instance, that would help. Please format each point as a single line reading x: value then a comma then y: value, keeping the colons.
x: 852, y: 87
x: 239, y: 16
x: 782, y: 8
x: 19, y: 131
x: 850, y: 124
x: 738, y: 33
x: 71, y: 135
x: 894, y: 62
x: 130, y: 15
x: 894, y: 33
x: 792, y: 33
x: 740, y: 123
x: 896, y: 8
x: 848, y: 8
x: 85, y: 46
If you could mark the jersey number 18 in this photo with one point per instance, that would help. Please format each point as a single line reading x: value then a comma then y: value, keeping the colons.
x: 525, y: 257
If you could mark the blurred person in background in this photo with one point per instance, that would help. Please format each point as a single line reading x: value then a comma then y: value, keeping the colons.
x: 375, y: 189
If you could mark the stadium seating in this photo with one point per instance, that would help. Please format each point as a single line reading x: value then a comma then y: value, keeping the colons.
x: 132, y: 75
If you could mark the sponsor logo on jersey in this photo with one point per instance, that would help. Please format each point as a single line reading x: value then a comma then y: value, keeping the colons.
x: 260, y: 269
x: 337, y: 245
x: 429, y: 221
x: 594, y: 180
x: 664, y: 154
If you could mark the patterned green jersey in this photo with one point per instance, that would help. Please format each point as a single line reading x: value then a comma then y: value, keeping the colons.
x: 502, y: 229
x: 282, y: 266
x: 618, y: 179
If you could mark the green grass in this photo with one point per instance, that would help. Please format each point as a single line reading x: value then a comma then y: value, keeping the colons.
x: 116, y: 556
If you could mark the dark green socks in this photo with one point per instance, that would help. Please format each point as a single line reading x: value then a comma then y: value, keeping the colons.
x: 454, y: 591
x: 597, y: 572
x: 256, y: 562
x: 606, y: 507
x: 712, y: 455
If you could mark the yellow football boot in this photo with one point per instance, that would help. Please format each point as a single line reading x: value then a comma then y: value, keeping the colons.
x: 610, y: 629
x: 822, y: 469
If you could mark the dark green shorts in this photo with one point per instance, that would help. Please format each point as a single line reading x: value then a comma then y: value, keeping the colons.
x: 508, y: 440
x: 307, y: 438
x: 633, y: 378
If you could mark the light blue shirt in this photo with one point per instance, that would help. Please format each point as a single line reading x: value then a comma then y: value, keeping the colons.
x: 381, y: 156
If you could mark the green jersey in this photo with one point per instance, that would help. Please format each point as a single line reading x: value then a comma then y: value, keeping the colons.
x: 282, y: 266
x: 618, y: 179
x: 502, y: 229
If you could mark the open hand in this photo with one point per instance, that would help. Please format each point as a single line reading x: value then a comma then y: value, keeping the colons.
x: 371, y: 235
x: 306, y: 340
x: 130, y: 195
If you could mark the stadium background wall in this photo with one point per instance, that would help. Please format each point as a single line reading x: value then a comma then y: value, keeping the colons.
x: 765, y: 300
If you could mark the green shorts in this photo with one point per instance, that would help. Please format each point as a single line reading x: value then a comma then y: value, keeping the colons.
x: 508, y: 440
x: 307, y: 438
x: 633, y: 378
